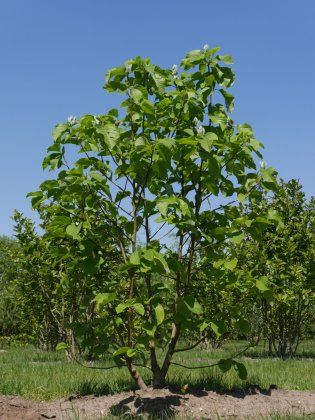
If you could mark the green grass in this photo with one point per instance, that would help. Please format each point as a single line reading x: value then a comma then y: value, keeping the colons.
x: 40, y: 375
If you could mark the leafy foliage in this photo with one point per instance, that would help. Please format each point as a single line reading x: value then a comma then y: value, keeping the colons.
x: 281, y: 265
x: 9, y: 311
x: 171, y: 160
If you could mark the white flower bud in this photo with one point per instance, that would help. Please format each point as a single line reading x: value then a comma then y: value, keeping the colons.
x: 174, y: 69
x: 72, y: 120
x: 128, y: 68
x: 96, y: 120
x: 262, y: 164
x: 201, y: 130
x: 205, y: 47
x: 196, y: 121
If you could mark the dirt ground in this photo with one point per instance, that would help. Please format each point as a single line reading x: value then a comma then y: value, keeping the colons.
x: 254, y: 403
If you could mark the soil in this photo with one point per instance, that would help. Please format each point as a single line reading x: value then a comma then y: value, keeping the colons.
x: 250, y: 404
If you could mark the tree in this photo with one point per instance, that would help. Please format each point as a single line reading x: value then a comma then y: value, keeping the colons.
x: 35, y: 285
x: 9, y: 251
x: 282, y: 262
x: 170, y: 161
x: 54, y: 298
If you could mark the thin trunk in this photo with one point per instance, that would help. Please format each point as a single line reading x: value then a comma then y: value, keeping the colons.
x: 156, y: 371
x: 135, y: 375
x: 169, y: 354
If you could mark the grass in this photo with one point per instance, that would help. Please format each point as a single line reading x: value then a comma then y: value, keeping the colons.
x: 40, y: 375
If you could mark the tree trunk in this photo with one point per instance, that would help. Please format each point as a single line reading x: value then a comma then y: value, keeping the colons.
x: 157, y: 381
x: 168, y: 356
x: 135, y: 375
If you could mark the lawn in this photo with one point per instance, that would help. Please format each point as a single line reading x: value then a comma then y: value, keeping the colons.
x: 39, y: 375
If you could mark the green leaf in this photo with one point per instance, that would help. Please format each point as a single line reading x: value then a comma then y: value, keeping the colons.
x: 194, y: 54
x: 203, y: 326
x: 158, y: 256
x: 218, y: 327
x: 121, y: 350
x: 240, y: 370
x: 111, y: 134
x: 237, y: 239
x: 229, y: 100
x: 139, y: 308
x: 121, y: 195
x: 148, y: 254
x: 243, y: 326
x: 91, y: 265
x: 261, y: 283
x: 225, y: 365
x: 269, y: 174
x: 59, y: 130
x: 241, y: 197
x: 218, y: 263
x: 149, y: 328
x: 104, y: 298
x: 192, y: 58
x: 163, y: 205
x: 147, y: 107
x: 136, y: 95
x: 228, y: 59
x: 214, y: 167
x: 62, y: 346
x: 97, y: 176
x: 135, y: 258
x: 122, y: 306
x: 214, y: 50
x: 159, y: 314
x: 73, y: 230
x: 231, y: 264
x: 131, y: 352
x: 206, y: 142
x: 193, y: 305
x: 37, y: 198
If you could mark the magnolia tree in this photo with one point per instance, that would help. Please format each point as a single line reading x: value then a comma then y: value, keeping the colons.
x: 170, y: 162
x: 284, y: 268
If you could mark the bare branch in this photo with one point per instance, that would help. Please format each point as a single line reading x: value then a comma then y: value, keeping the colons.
x: 196, y: 367
x: 192, y: 346
x: 167, y: 233
x: 97, y: 367
x: 161, y: 227
x: 214, y: 364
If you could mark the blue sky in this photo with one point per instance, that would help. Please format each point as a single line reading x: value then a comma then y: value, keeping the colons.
x: 54, y: 55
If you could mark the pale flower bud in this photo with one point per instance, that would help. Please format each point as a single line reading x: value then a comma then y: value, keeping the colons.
x: 128, y: 68
x: 72, y: 120
x: 174, y: 69
x: 262, y: 164
x: 201, y: 130
x: 196, y: 121
x: 205, y: 47
x: 96, y: 120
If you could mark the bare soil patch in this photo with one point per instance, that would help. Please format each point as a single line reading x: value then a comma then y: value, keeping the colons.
x: 253, y: 403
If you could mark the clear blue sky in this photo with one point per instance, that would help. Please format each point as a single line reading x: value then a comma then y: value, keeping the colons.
x: 54, y: 55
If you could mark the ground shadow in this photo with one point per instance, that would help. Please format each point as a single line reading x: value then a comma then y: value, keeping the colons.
x: 161, y: 407
x: 165, y: 406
